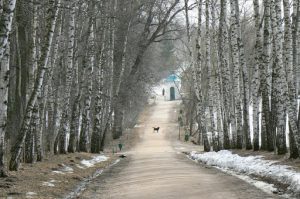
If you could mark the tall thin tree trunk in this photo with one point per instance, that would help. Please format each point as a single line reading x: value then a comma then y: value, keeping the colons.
x: 244, y: 84
x: 96, y: 134
x: 64, y: 126
x: 292, y: 74
x: 224, y: 56
x: 52, y: 106
x: 256, y: 77
x: 279, y: 86
x: 209, y: 70
x: 43, y: 62
x: 4, y: 80
x: 265, y: 75
x: 215, y: 85
x: 5, y: 24
x: 86, y: 120
x: 236, y: 73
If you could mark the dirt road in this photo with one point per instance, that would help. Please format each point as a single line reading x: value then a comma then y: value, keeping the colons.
x: 156, y: 169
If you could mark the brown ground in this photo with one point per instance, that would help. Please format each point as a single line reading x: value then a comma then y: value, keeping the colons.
x: 157, y: 168
x: 30, y: 177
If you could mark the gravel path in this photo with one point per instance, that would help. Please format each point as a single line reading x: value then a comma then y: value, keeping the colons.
x: 157, y: 169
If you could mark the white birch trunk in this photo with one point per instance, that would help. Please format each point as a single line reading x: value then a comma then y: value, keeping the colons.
x: 43, y: 62
x: 4, y: 80
x: 266, y: 134
x: 210, y: 76
x: 74, y: 123
x: 86, y: 120
x: 96, y: 134
x: 279, y: 81
x: 291, y: 95
x: 215, y: 84
x: 236, y: 73
x: 225, y: 72
x: 256, y: 77
x: 292, y: 77
x: 5, y: 25
x: 65, y: 121
x: 52, y: 109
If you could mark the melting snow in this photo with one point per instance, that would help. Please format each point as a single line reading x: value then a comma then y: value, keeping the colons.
x: 30, y: 194
x: 95, y: 160
x: 58, y: 172
x: 79, y: 166
x: 251, y: 165
x: 64, y: 169
x: 48, y: 184
x: 138, y: 126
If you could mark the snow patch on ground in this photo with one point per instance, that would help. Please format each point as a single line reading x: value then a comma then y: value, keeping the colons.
x: 95, y: 160
x: 251, y: 165
x: 58, y: 172
x: 63, y: 170
x: 67, y: 169
x: 139, y: 125
x: 269, y: 188
x: 116, y: 162
x: 79, y: 166
x: 31, y: 194
x: 48, y: 184
x: 82, y: 185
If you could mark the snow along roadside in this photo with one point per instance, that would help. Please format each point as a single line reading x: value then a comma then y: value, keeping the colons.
x: 251, y: 165
x: 83, y: 184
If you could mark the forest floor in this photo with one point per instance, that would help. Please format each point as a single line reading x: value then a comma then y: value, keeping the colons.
x: 60, y: 176
x: 52, y: 178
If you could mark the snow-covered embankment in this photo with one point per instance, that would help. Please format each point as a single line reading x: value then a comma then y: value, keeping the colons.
x: 251, y: 165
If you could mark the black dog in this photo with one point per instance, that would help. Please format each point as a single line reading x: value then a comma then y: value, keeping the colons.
x: 156, y: 129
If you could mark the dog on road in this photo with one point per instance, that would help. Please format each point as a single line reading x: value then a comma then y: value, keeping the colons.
x: 156, y: 129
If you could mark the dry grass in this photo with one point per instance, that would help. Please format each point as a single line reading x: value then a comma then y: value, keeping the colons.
x: 30, y: 177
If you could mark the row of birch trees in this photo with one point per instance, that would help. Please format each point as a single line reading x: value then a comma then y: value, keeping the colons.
x: 73, y: 73
x: 243, y: 74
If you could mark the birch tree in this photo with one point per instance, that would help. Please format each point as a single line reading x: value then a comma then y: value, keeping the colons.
x: 255, y: 80
x: 5, y: 28
x: 5, y: 24
x: 264, y: 80
x: 290, y: 58
x: 4, y: 79
x: 236, y: 73
x: 279, y: 80
x: 225, y: 72
x: 51, y: 22
x: 210, y: 74
x: 216, y: 88
x: 64, y: 126
x: 293, y: 77
x: 86, y: 120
